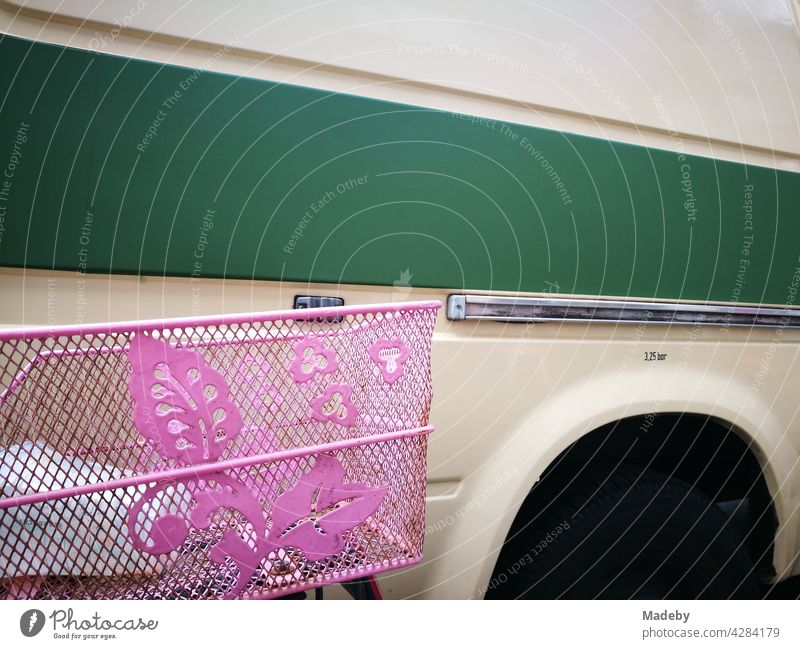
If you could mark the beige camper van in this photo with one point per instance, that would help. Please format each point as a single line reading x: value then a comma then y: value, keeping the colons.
x: 605, y: 196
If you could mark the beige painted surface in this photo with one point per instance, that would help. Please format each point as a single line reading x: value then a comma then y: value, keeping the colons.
x: 507, y: 397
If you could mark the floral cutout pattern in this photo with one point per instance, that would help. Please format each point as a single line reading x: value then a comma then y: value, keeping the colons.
x: 183, y: 407
x: 390, y: 355
x: 320, y: 507
x: 335, y: 405
x: 312, y: 357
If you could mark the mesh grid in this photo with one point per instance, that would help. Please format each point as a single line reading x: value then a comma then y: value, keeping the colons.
x: 295, y: 381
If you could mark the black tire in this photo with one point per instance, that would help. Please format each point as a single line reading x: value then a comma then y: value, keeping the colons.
x: 625, y: 534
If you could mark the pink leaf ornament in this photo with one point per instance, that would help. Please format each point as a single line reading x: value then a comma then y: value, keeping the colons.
x: 315, y: 513
x: 182, y: 404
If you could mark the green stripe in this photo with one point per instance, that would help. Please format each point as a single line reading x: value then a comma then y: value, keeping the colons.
x: 461, y: 205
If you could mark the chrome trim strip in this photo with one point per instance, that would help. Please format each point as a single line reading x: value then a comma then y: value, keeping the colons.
x: 535, y: 309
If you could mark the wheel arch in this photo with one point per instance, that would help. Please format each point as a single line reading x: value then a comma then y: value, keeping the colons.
x: 752, y: 447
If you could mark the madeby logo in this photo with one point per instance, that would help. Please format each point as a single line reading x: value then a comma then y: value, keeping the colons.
x: 31, y: 622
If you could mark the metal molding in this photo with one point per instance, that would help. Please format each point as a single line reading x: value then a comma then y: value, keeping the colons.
x: 534, y: 309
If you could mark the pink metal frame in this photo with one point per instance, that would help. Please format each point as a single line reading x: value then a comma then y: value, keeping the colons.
x: 201, y: 321
x: 250, y: 455
x: 205, y: 469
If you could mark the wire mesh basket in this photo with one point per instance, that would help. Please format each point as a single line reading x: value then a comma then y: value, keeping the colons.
x: 246, y: 456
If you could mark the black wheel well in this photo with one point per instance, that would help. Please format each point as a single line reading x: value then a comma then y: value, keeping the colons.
x: 702, y: 451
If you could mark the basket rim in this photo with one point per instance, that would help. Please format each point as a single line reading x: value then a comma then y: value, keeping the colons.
x: 47, y: 331
x: 188, y: 472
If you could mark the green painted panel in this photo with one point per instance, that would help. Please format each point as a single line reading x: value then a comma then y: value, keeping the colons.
x: 126, y: 166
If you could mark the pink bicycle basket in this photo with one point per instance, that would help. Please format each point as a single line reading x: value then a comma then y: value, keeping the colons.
x: 246, y: 456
